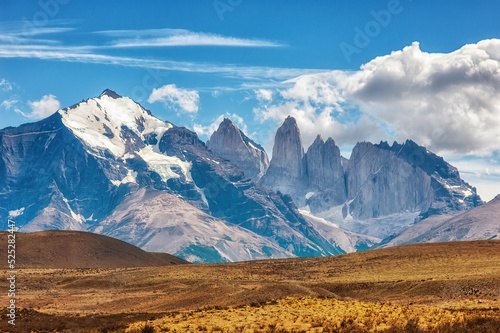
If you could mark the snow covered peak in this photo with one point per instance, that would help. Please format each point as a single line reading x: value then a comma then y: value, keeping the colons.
x: 109, y: 122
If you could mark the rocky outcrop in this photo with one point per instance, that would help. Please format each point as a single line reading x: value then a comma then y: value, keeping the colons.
x: 380, y: 183
x: 287, y: 171
x: 230, y: 143
x: 452, y: 194
x: 233, y: 197
x: 325, y: 175
x: 48, y: 179
x: 384, y: 180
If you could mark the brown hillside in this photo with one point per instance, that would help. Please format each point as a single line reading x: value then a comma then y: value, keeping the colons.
x: 77, y: 249
x: 459, y: 276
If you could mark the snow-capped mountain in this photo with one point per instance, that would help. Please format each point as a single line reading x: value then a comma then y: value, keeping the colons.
x: 100, y: 165
x: 380, y: 191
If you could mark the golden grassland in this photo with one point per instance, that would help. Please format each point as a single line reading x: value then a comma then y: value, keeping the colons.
x: 319, y: 315
x: 457, y: 277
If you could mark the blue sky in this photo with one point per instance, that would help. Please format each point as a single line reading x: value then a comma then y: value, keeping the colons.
x: 191, y: 62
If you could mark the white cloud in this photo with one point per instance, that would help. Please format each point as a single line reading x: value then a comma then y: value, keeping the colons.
x: 186, y: 101
x: 313, y: 121
x: 264, y: 94
x: 81, y: 55
x: 42, y: 108
x: 16, y: 44
x: 5, y: 85
x: 179, y: 37
x: 449, y: 102
x: 207, y: 130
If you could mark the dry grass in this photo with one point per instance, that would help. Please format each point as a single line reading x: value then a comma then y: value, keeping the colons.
x: 319, y: 315
x: 462, y: 276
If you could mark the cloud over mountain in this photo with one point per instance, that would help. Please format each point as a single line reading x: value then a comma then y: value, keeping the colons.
x: 186, y: 101
x: 449, y: 102
x: 43, y: 108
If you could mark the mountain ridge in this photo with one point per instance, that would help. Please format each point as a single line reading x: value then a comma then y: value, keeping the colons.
x: 109, y: 166
x: 380, y: 191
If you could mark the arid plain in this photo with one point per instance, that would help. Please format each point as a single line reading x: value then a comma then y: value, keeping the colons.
x: 440, y: 287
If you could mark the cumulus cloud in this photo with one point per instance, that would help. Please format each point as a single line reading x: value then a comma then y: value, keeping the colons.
x: 42, y: 108
x: 207, y: 130
x: 264, y: 94
x: 449, y: 102
x: 185, y: 101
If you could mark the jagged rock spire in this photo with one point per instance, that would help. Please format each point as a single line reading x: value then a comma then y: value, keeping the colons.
x: 230, y: 143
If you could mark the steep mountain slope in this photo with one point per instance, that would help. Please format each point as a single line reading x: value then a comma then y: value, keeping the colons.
x: 478, y: 223
x: 79, y: 168
x: 77, y: 249
x: 49, y: 179
x: 165, y: 223
x: 229, y: 142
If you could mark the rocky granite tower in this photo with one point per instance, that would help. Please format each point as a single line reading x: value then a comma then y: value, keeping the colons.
x: 287, y: 171
x: 325, y: 175
x: 232, y: 144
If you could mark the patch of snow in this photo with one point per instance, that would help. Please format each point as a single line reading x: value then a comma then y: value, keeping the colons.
x: 467, y: 193
x: 319, y: 219
x: 163, y: 164
x: 131, y: 177
x: 309, y: 194
x: 346, y: 240
x: 77, y: 217
x: 211, y: 160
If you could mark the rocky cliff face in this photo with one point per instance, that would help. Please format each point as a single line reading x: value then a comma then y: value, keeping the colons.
x: 384, y: 180
x: 316, y: 179
x: 380, y: 183
x: 232, y: 144
x: 287, y: 172
x: 325, y: 175
x: 49, y: 180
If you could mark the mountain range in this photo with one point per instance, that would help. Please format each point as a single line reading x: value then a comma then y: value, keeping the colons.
x: 108, y: 166
x: 380, y: 191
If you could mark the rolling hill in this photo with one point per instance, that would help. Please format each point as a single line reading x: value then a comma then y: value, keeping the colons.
x: 78, y: 249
